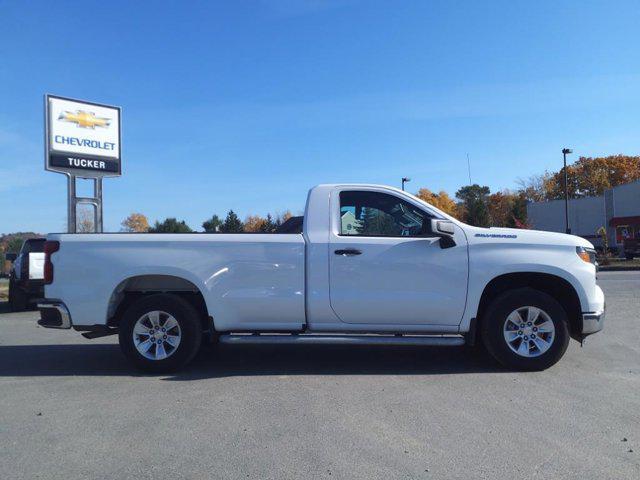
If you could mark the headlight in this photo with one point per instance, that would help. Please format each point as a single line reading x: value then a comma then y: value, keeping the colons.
x: 587, y: 254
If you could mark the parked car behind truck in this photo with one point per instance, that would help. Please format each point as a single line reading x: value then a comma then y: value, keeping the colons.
x: 26, y: 277
x: 373, y: 265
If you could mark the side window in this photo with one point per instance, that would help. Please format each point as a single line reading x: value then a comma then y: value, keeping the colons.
x: 375, y: 214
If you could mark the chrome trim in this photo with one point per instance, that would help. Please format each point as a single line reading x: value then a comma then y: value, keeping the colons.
x: 592, y: 322
x: 62, y: 309
x: 319, y: 339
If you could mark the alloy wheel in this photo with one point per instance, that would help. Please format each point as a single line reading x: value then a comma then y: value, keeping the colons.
x: 529, y: 331
x: 156, y: 335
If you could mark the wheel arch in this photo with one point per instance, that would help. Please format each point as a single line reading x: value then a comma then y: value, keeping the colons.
x: 553, y: 285
x: 134, y: 287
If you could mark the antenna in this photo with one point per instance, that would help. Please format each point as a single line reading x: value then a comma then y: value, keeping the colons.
x: 469, y: 168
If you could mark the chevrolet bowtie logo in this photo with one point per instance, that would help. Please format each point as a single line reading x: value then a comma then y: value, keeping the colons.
x: 85, y: 119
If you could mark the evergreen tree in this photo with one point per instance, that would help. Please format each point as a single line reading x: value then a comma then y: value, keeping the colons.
x: 232, y: 224
x: 212, y: 225
x: 474, y: 201
x: 269, y: 226
x: 377, y: 222
x: 170, y: 225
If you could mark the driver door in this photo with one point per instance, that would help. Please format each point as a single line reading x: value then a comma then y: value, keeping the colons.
x: 385, y: 266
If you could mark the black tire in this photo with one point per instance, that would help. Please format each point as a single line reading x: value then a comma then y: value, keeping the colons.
x: 494, y: 319
x: 629, y: 257
x: 188, y: 320
x: 18, y: 299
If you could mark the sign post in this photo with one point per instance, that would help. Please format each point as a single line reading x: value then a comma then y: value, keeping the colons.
x: 82, y: 139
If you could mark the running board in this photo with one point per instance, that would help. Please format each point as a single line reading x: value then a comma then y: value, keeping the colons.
x: 317, y: 339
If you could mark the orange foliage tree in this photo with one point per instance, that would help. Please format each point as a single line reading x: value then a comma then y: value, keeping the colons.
x: 136, y: 222
x: 440, y: 200
x: 254, y: 223
x: 587, y: 177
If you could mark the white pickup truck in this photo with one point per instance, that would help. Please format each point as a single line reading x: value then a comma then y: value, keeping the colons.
x: 26, y: 278
x: 369, y: 265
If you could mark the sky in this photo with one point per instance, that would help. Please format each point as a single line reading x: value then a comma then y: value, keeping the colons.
x: 245, y: 105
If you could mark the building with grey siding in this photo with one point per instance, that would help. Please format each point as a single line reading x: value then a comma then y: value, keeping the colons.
x: 618, y: 210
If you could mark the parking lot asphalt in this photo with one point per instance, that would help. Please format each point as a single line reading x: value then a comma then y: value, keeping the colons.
x: 72, y: 408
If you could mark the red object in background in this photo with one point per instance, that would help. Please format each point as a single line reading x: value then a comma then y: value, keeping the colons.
x: 49, y: 249
x: 626, y: 227
x: 615, y: 221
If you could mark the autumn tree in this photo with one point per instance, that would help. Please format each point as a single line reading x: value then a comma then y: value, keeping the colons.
x: 136, y: 222
x: 474, y: 200
x: 585, y: 178
x: 254, y: 223
x: 85, y: 221
x: 282, y: 217
x: 536, y: 187
x: 507, y: 209
x: 170, y: 225
x: 232, y: 224
x: 15, y: 244
x: 212, y: 225
x: 12, y: 243
x: 440, y: 200
x: 590, y: 177
x: 499, y: 207
x: 269, y: 226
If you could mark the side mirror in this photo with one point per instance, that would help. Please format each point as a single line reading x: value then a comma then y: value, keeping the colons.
x: 11, y: 257
x: 444, y: 229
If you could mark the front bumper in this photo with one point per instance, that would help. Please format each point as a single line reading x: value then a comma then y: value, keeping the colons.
x: 592, y: 322
x: 593, y: 318
x: 54, y: 315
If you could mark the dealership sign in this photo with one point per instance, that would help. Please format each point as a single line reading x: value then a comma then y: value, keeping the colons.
x: 82, y: 138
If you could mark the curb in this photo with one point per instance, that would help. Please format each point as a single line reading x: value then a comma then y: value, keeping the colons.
x: 609, y: 268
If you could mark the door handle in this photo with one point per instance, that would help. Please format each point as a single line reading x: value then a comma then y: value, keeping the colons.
x: 349, y: 252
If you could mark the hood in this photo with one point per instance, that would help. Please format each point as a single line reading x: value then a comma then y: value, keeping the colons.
x: 479, y: 235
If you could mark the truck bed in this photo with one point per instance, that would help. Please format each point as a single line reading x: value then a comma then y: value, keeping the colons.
x: 247, y: 280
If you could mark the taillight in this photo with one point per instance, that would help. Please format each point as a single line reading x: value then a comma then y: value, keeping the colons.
x: 49, y: 248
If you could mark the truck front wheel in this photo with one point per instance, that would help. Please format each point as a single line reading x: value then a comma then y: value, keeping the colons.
x: 160, y: 333
x: 525, y: 329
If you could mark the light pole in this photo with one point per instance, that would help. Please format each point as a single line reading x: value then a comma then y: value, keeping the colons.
x: 405, y: 180
x: 566, y: 151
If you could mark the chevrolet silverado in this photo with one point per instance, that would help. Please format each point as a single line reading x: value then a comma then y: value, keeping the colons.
x: 368, y: 265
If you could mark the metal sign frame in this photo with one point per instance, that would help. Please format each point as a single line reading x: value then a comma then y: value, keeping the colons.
x: 73, y: 201
x: 72, y: 173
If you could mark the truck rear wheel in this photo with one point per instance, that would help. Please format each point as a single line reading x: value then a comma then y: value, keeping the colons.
x: 525, y: 329
x: 160, y: 333
x: 18, y: 299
